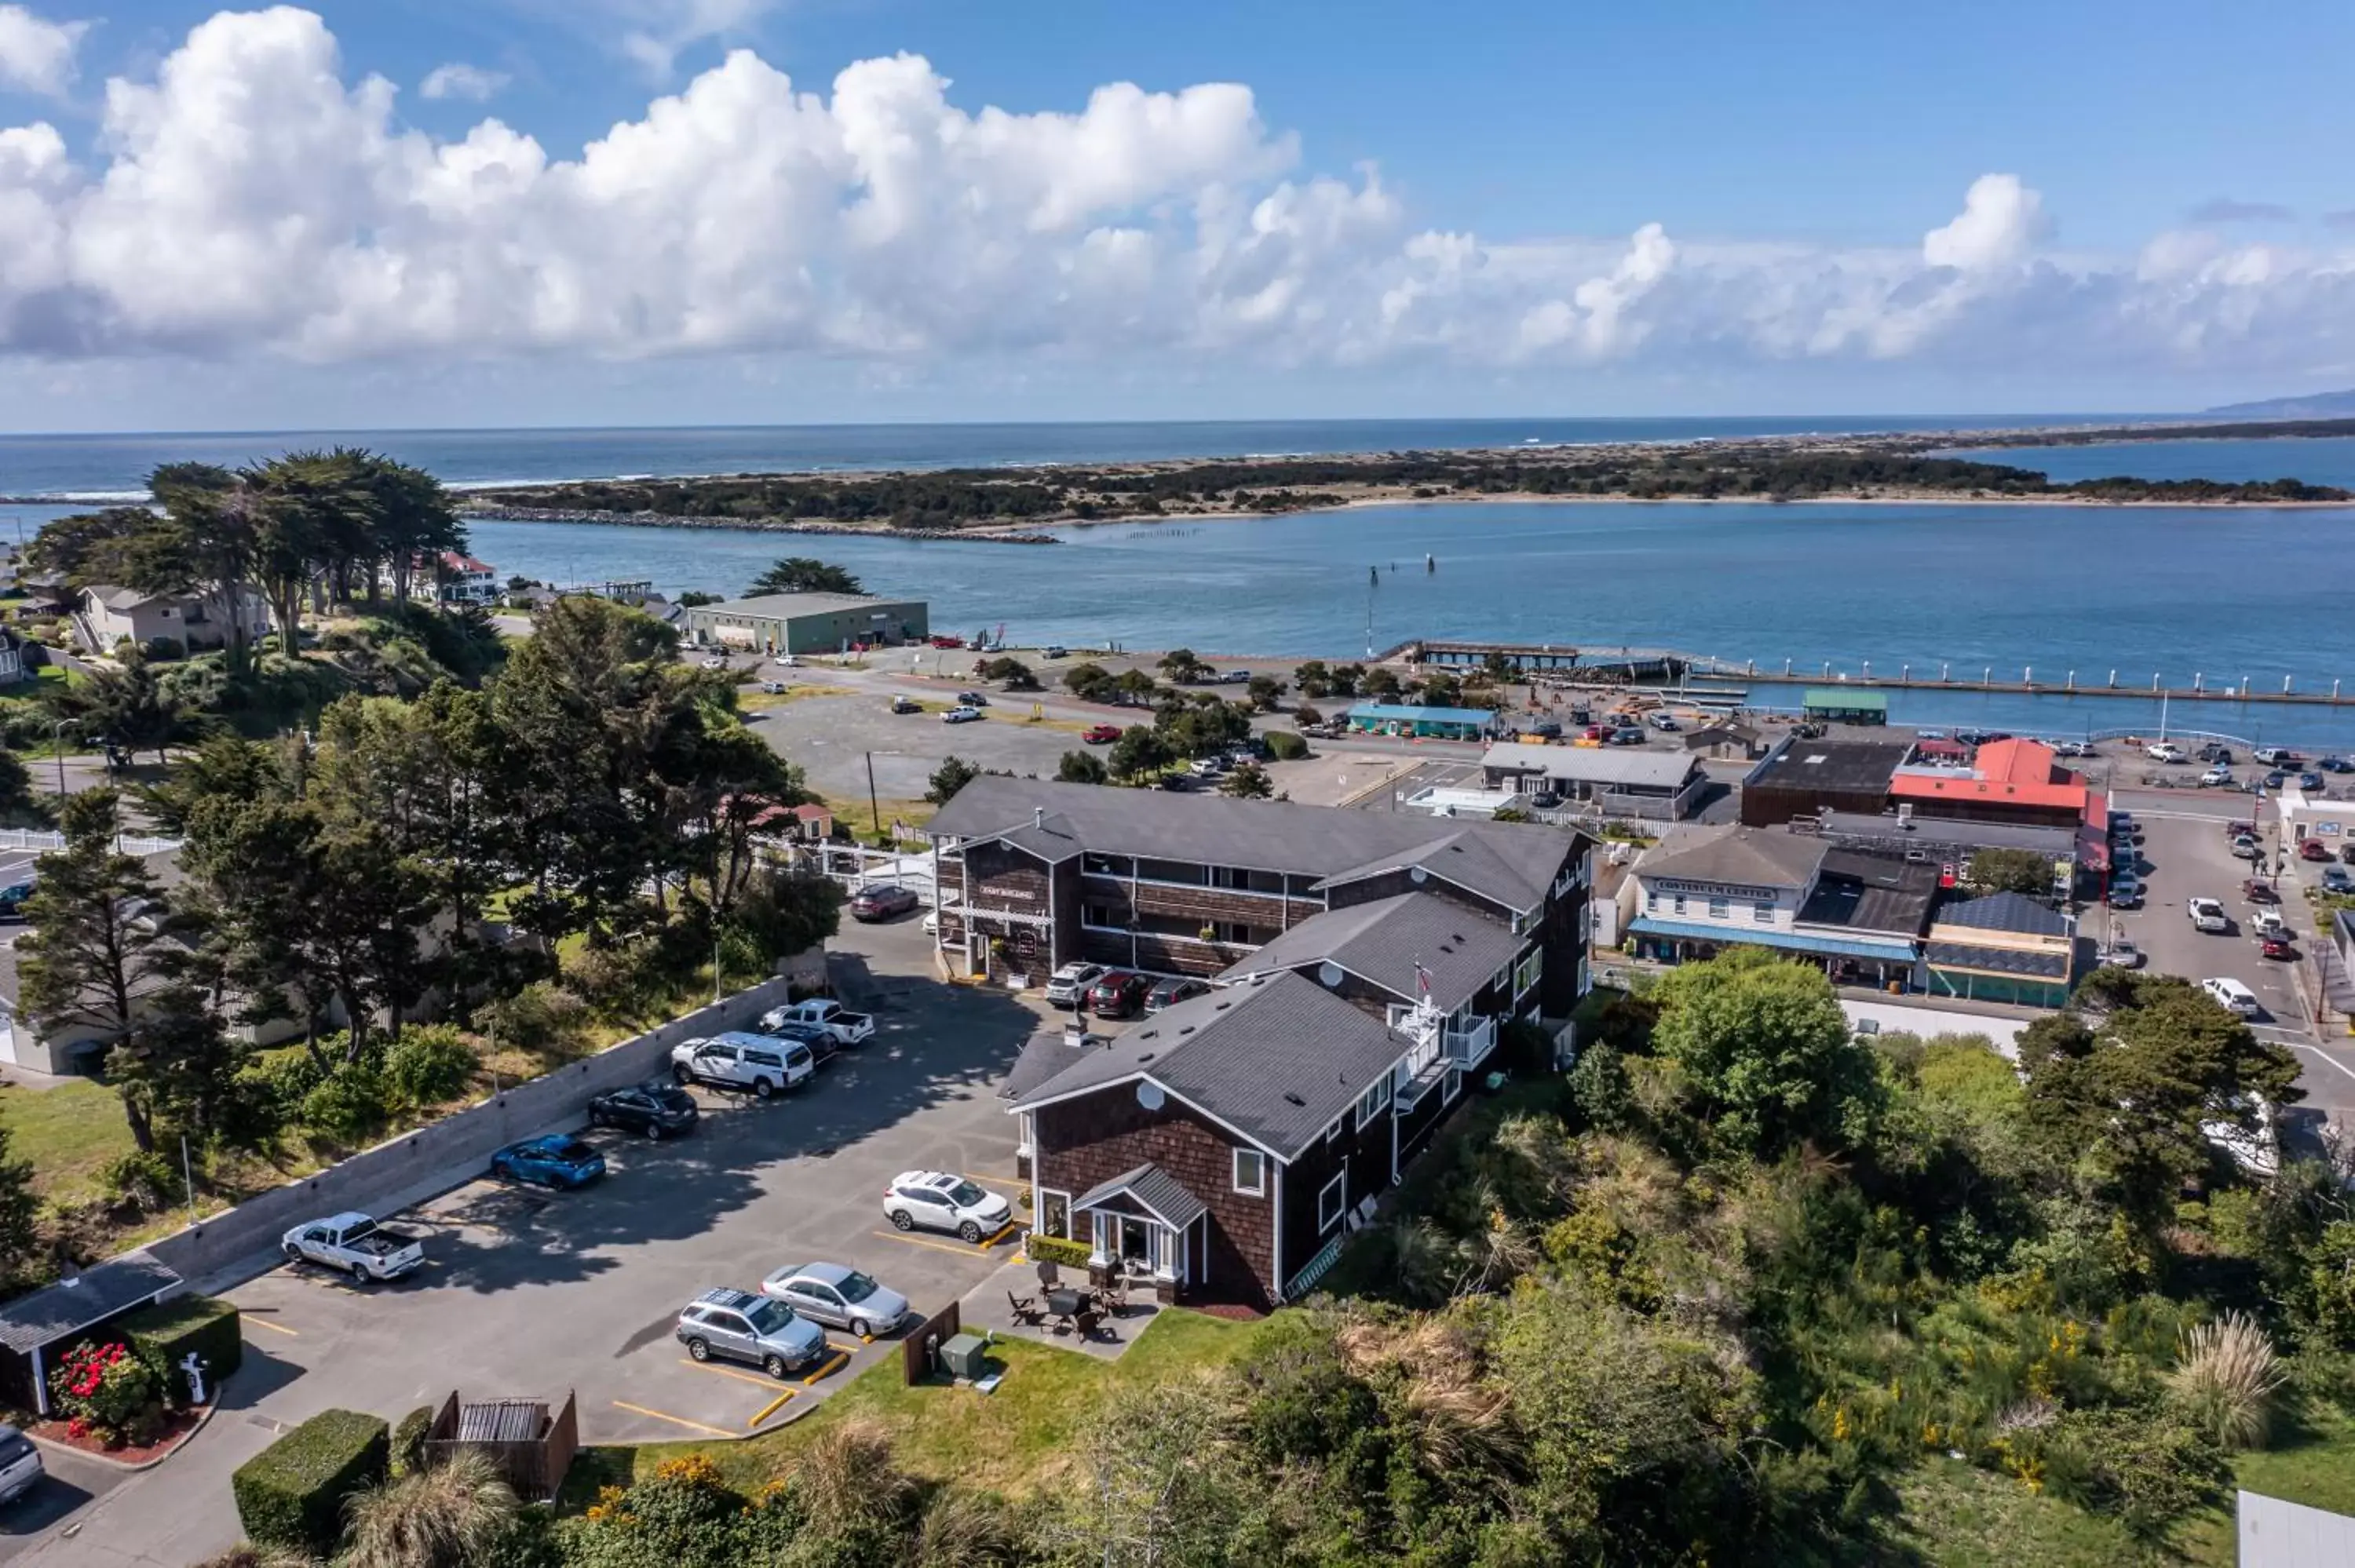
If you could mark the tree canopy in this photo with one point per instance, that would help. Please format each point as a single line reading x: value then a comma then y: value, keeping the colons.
x: 803, y: 574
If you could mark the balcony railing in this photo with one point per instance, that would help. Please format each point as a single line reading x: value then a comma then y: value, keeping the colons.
x: 1467, y: 1048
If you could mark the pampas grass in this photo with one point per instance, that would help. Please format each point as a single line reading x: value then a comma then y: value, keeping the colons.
x: 2225, y: 1377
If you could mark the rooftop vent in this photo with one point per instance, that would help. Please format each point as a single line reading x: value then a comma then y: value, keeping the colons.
x: 1188, y: 1029
x: 1037, y: 816
x: 1292, y: 1099
x: 1221, y: 1007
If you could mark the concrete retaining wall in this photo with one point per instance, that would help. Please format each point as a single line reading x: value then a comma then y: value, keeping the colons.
x: 394, y: 1174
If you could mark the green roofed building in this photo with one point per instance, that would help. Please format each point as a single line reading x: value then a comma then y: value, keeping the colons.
x: 1845, y: 704
x: 809, y: 622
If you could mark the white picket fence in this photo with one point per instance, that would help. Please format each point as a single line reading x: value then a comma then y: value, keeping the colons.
x: 27, y: 841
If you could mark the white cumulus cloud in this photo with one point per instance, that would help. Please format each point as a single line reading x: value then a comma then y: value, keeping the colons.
x: 459, y: 79
x: 252, y: 197
x: 37, y: 54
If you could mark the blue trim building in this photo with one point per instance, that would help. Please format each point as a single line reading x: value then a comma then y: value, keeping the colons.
x: 1426, y: 723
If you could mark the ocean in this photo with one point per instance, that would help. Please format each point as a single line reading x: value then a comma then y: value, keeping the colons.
x: 2216, y: 594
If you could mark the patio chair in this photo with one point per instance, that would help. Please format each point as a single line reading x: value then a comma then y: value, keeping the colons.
x: 1114, y: 1297
x: 1049, y: 1276
x: 1025, y: 1308
x: 1086, y: 1322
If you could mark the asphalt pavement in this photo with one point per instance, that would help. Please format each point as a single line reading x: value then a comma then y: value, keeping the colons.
x: 534, y: 1294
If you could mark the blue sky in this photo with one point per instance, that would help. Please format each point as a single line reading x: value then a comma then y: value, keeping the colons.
x: 1406, y: 209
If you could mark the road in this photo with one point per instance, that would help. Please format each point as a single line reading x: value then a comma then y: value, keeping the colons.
x: 530, y: 1294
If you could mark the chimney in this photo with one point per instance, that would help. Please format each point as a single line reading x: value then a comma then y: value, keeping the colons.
x: 1037, y: 816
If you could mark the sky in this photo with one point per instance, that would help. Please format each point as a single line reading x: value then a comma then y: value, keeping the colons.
x: 377, y: 213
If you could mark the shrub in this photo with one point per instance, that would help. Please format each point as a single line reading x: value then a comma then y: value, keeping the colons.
x: 287, y: 1078
x: 428, y: 1065
x: 408, y: 1440
x: 163, y: 1335
x: 1043, y: 1248
x: 1282, y: 746
x: 103, y: 1388
x: 292, y: 1492
x: 165, y: 648
x: 348, y: 1104
x: 542, y: 1016
x: 143, y: 1179
x: 2225, y: 1380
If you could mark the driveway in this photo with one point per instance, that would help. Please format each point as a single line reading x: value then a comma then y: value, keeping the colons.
x: 534, y: 1294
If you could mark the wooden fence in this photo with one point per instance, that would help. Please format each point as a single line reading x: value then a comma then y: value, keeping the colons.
x: 916, y: 1349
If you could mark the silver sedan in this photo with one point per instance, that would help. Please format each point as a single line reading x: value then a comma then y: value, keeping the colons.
x: 830, y: 1292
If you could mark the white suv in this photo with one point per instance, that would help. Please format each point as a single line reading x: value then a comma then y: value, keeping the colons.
x: 937, y: 1200
x: 2208, y: 916
x: 2231, y: 995
x: 2165, y: 751
x: 764, y: 1063
x: 1068, y: 984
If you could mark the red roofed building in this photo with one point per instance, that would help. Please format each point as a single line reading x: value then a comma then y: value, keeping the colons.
x: 2010, y: 781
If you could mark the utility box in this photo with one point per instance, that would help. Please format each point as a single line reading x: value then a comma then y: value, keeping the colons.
x: 964, y: 1357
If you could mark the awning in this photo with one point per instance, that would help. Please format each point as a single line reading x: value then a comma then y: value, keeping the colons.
x: 1152, y: 1188
x: 1792, y: 941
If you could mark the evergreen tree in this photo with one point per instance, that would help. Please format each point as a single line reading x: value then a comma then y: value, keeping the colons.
x: 101, y: 949
x: 20, y: 1211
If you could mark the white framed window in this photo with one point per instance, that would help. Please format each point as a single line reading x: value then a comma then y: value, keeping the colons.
x: 1333, y: 1133
x: 1251, y: 1172
x: 1720, y: 908
x: 1332, y: 1203
x: 1526, y: 973
x: 1681, y: 904
x: 1371, y: 1102
x: 1651, y: 903
x: 1055, y: 1213
x: 1762, y: 912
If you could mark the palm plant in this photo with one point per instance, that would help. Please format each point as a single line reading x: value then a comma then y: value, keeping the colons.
x: 2225, y: 1377
x: 446, y: 1515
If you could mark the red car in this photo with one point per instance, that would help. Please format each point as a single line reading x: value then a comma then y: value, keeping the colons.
x: 2278, y: 947
x: 2259, y: 892
x: 1119, y: 995
x: 1101, y: 734
x: 2313, y: 849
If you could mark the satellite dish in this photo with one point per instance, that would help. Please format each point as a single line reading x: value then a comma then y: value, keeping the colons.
x: 1149, y: 1095
x: 1416, y: 874
x: 1329, y: 974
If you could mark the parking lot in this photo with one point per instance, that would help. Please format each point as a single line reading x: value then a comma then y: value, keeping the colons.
x: 533, y: 1292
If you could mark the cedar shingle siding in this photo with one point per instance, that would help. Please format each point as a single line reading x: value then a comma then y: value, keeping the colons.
x: 1094, y: 1138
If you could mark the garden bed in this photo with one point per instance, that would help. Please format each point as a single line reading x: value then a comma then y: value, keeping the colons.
x: 177, y: 1427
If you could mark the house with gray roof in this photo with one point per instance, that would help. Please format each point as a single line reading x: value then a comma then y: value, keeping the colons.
x: 1035, y: 875
x: 105, y: 616
x: 1222, y: 1148
x: 1858, y: 915
x: 2005, y: 946
x: 1623, y: 782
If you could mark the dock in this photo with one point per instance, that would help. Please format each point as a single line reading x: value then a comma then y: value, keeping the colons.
x: 1698, y: 676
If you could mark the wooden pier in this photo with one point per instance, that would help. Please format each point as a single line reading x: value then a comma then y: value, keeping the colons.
x: 1695, y: 674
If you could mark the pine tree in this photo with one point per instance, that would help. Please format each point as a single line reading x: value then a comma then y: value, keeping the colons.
x: 19, y: 1210
x: 100, y: 950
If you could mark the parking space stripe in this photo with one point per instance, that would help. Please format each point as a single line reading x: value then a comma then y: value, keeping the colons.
x: 1005, y: 1231
x: 770, y: 1408
x: 936, y: 1247
x: 993, y: 1180
x: 674, y: 1420
x: 247, y: 1318
x: 2325, y: 1055
x: 726, y: 1371
x: 832, y: 1361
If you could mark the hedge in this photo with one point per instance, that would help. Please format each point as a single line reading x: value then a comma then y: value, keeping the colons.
x: 292, y: 1492
x: 164, y: 1334
x: 1282, y: 746
x: 408, y: 1440
x: 1043, y: 1248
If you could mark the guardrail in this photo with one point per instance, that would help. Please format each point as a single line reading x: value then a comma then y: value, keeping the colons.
x: 33, y: 841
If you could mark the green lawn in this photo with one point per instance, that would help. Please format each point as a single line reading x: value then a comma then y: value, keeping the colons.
x: 1010, y: 1441
x: 68, y: 1134
x: 1956, y: 1516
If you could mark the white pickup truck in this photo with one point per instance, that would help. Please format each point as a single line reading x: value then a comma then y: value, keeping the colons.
x: 354, y: 1243
x: 823, y: 1012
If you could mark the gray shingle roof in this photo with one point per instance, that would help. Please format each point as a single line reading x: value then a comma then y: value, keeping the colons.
x: 1748, y: 857
x: 1044, y: 1054
x: 1276, y: 1060
x: 2006, y: 912
x: 1151, y: 1186
x: 1511, y: 862
x: 48, y: 1316
x: 1382, y: 940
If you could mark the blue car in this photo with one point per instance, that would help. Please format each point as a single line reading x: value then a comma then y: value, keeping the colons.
x: 559, y: 1160
x: 2309, y: 782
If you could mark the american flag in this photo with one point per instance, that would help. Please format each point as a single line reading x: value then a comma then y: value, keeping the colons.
x: 1422, y: 981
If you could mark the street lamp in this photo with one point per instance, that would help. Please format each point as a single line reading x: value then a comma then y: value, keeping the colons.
x: 58, y: 745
